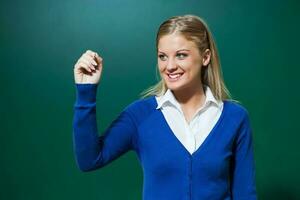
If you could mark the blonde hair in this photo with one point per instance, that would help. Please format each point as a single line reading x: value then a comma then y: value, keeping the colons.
x: 195, y: 29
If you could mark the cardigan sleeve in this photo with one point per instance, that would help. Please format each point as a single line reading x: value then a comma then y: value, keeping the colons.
x: 93, y: 151
x: 243, y: 186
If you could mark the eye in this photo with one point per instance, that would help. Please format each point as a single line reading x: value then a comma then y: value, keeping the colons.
x: 162, y: 57
x: 181, y: 56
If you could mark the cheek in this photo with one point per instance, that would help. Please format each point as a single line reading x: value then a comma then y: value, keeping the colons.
x: 195, y: 64
x: 193, y: 68
x: 186, y: 65
x: 160, y: 66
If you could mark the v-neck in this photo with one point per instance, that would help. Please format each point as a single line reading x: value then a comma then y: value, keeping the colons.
x: 209, y: 136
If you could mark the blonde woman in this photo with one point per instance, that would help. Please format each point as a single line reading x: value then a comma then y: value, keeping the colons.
x: 192, y: 140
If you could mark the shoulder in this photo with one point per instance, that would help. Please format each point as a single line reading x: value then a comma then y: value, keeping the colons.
x: 237, y: 111
x: 140, y: 109
x: 143, y: 104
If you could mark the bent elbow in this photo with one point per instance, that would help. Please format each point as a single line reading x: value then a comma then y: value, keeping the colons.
x: 87, y: 166
x: 83, y: 168
x: 86, y: 163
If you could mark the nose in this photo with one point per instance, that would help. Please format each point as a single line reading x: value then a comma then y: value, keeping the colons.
x: 171, y: 65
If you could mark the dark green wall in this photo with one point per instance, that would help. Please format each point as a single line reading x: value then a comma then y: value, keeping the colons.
x: 41, y: 41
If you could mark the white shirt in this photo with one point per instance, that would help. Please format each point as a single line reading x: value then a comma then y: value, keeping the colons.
x: 192, y: 134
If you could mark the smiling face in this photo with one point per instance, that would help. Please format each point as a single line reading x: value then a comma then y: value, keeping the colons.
x: 180, y: 62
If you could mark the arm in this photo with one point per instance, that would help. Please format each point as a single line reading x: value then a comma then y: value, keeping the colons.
x: 92, y: 151
x: 243, y: 184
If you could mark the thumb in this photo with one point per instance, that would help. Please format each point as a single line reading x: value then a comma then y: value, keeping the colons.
x: 98, y: 58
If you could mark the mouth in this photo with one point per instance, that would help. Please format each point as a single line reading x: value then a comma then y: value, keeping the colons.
x: 174, y: 77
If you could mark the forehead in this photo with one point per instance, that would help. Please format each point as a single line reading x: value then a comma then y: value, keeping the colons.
x: 174, y: 42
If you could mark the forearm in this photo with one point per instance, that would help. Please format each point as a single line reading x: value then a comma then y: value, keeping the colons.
x: 87, y: 147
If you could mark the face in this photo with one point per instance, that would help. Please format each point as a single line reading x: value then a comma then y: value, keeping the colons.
x: 180, y: 62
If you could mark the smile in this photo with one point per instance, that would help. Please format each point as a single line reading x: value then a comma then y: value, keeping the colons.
x: 174, y: 77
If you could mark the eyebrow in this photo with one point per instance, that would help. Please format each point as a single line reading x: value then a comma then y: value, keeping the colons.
x: 177, y: 50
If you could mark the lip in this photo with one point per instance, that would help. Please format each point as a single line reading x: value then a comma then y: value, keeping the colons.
x: 173, y: 74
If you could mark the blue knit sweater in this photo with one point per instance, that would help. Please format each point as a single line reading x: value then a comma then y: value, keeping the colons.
x: 222, y: 168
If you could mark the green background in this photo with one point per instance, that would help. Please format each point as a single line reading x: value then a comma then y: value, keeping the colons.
x: 258, y: 42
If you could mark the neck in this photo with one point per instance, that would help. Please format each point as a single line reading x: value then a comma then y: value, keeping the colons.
x: 190, y: 98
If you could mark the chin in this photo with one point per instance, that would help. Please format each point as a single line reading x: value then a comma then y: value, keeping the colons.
x: 175, y: 86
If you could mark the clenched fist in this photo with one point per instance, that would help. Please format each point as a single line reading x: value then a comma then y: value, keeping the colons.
x: 88, y: 68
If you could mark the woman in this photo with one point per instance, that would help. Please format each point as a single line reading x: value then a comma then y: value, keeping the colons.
x: 192, y: 141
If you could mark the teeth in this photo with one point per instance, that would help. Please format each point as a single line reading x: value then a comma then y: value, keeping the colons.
x: 174, y: 75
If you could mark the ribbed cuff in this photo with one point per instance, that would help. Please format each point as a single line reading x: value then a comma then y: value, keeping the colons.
x: 86, y: 93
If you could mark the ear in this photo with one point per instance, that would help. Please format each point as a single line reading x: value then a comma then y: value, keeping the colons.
x: 206, y: 57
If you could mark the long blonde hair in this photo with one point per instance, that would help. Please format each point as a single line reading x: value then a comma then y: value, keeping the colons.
x: 195, y: 29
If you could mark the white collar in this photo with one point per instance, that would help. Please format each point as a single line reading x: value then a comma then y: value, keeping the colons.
x: 168, y: 99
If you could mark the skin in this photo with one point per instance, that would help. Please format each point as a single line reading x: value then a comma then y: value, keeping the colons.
x: 175, y: 55
x: 88, y: 68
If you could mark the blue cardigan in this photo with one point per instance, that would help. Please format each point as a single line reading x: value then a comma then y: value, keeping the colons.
x: 222, y: 168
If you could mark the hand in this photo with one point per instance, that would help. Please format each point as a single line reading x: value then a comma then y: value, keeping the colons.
x: 88, y: 68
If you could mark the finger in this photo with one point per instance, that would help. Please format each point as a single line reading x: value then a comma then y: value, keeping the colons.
x: 87, y: 62
x: 94, y: 55
x: 91, y: 53
x: 98, y: 58
x: 90, y: 59
x: 83, y: 65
